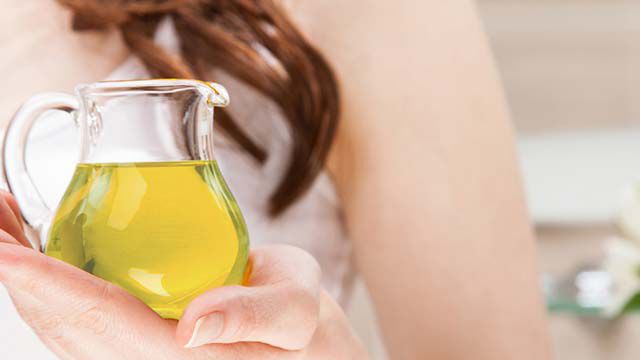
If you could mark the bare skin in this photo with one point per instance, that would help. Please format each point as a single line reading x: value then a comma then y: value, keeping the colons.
x: 426, y: 166
x: 424, y: 161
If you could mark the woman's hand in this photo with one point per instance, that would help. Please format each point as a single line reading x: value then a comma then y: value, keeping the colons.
x: 281, y: 314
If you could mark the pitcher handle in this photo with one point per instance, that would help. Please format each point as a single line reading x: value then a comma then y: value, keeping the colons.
x: 34, y: 210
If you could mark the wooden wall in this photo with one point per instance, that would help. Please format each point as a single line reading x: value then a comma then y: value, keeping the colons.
x: 567, y: 63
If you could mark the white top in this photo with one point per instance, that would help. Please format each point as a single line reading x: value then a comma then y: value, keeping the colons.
x: 313, y: 223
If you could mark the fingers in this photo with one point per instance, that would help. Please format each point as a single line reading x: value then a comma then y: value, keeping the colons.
x: 13, y: 204
x: 88, y: 318
x: 5, y: 237
x: 44, y: 277
x: 10, y: 219
x: 334, y: 338
x: 61, y: 289
x: 279, y: 308
x: 82, y: 314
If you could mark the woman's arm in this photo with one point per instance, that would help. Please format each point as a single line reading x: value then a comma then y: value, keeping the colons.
x: 425, y: 163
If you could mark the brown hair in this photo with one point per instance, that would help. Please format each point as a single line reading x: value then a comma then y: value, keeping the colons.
x: 226, y: 34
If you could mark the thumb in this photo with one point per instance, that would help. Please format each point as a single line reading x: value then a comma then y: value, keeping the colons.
x: 280, y: 309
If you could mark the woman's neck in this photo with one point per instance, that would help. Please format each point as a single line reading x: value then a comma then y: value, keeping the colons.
x: 41, y: 53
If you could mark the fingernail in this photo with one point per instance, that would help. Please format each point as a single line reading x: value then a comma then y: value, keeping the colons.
x: 207, y: 329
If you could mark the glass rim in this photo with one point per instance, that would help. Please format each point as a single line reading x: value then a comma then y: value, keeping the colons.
x: 156, y: 86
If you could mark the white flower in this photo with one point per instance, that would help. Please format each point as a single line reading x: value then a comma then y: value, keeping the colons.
x: 622, y: 262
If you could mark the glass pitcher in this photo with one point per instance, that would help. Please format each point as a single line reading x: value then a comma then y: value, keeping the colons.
x: 147, y: 207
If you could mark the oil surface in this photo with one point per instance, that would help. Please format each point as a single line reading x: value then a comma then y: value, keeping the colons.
x: 165, y: 232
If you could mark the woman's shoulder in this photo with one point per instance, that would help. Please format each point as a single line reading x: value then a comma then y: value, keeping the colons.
x: 38, y: 35
x: 40, y: 52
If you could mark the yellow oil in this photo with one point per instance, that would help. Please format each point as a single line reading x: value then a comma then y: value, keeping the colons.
x: 165, y: 232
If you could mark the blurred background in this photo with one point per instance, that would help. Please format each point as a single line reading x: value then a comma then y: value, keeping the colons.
x: 571, y: 69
